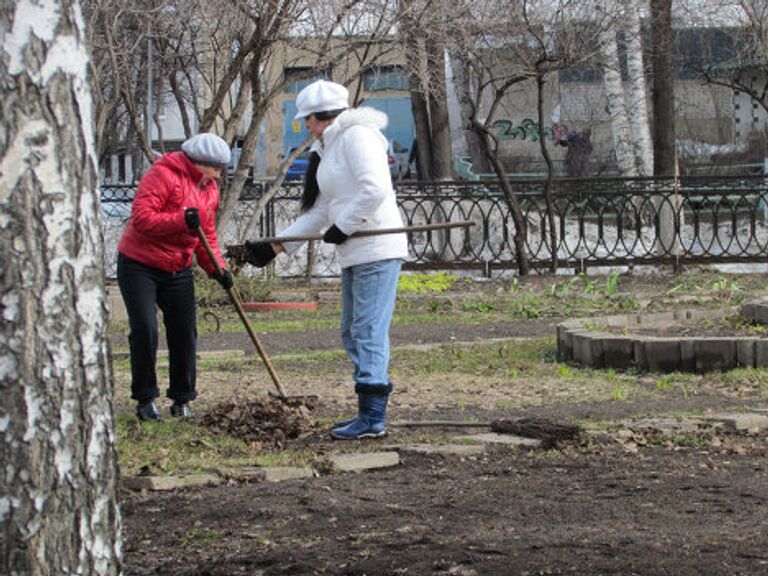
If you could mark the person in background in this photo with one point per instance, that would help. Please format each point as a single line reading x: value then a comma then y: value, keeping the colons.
x: 178, y: 195
x: 348, y: 189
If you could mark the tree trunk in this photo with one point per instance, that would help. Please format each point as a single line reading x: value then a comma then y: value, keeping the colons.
x: 439, y: 124
x: 462, y: 82
x: 663, y: 89
x: 58, y: 490
x: 664, y: 153
x: 521, y: 226
x: 614, y: 93
x: 637, y: 104
x: 420, y: 112
x: 550, y: 172
x: 231, y: 194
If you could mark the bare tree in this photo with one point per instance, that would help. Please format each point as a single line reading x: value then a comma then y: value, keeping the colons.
x: 506, y: 44
x: 742, y: 62
x: 58, y: 490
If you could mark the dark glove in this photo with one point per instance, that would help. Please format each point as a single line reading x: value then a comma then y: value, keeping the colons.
x: 260, y: 253
x: 334, y: 236
x: 192, y: 218
x: 224, y: 278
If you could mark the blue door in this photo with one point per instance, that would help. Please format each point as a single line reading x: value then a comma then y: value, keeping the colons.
x: 400, y: 129
x: 294, y: 131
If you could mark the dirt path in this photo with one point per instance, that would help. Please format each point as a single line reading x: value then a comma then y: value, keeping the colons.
x: 433, y: 332
x: 598, y: 511
x: 592, y: 508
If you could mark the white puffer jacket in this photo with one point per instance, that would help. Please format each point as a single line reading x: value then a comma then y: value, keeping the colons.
x: 355, y: 190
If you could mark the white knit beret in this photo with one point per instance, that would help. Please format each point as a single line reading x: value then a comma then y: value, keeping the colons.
x: 321, y: 96
x: 208, y: 149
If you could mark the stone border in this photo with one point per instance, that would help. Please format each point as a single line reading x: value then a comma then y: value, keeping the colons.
x: 595, y: 349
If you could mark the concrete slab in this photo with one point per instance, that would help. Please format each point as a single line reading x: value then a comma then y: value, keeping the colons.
x: 509, y: 439
x: 742, y: 422
x: 364, y: 461
x: 618, y: 352
x: 582, y: 347
x: 715, y: 354
x: 267, y: 474
x: 662, y: 355
x: 169, y: 482
x: 761, y: 353
x: 746, y: 352
x: 281, y: 473
x: 443, y: 449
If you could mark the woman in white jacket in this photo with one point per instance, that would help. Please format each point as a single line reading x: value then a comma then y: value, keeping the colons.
x: 348, y: 188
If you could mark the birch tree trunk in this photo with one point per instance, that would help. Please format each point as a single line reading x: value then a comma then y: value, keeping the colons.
x: 58, y: 489
x: 636, y: 96
x: 614, y: 93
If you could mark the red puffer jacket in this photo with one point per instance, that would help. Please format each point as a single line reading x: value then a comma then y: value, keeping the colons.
x: 157, y: 234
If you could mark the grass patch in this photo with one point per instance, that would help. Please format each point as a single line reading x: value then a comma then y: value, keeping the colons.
x: 174, y: 447
x: 506, y: 358
x: 436, y: 283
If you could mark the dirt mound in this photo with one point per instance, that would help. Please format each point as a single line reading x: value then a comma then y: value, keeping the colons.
x: 268, y: 420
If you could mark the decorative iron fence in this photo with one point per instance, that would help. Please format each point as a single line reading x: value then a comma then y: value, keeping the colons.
x: 599, y: 222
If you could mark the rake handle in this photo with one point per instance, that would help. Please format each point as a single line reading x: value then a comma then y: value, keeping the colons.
x: 241, y: 312
x: 380, y: 232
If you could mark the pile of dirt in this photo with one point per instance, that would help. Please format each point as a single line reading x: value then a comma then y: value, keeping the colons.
x: 270, y: 421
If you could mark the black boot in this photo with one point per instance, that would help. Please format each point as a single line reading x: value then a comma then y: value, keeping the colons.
x: 181, y: 410
x: 147, y: 411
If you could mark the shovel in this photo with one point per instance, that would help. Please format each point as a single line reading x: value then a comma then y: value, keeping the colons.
x: 239, y: 307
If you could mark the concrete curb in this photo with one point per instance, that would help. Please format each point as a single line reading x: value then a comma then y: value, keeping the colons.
x: 582, y: 342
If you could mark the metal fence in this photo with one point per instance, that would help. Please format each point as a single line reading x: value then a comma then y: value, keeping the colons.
x: 600, y: 222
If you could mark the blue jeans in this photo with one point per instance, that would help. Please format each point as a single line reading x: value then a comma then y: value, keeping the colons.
x: 144, y: 289
x: 368, y: 293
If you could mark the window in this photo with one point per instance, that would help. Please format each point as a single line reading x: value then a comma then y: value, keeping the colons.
x: 300, y: 77
x: 385, y: 78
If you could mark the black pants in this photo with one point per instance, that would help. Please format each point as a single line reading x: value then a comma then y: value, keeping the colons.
x: 143, y: 288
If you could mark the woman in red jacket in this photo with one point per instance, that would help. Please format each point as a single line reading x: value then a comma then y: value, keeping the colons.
x: 175, y: 197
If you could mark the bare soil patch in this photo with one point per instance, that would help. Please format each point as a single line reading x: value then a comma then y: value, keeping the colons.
x: 637, y: 503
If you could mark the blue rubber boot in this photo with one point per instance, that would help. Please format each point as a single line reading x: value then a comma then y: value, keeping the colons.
x: 348, y: 421
x: 371, y: 422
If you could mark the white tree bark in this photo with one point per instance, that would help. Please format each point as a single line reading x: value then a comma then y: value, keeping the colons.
x: 58, y: 504
x: 636, y: 94
x: 614, y: 93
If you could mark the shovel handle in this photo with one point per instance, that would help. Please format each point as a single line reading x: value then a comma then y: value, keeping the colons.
x: 240, y: 312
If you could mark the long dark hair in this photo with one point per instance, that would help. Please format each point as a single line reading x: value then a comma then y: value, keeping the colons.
x: 311, y: 189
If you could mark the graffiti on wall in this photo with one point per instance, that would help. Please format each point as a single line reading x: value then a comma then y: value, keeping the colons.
x: 528, y: 130
x: 579, y: 144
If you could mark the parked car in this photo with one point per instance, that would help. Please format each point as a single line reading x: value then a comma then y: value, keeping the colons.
x: 298, y: 167
x: 397, y: 156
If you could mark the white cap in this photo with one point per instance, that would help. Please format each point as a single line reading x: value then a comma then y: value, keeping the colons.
x: 208, y: 149
x: 321, y: 96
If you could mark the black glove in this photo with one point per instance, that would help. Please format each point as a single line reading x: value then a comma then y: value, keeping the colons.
x: 224, y: 278
x: 334, y: 236
x: 192, y: 218
x: 260, y: 253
